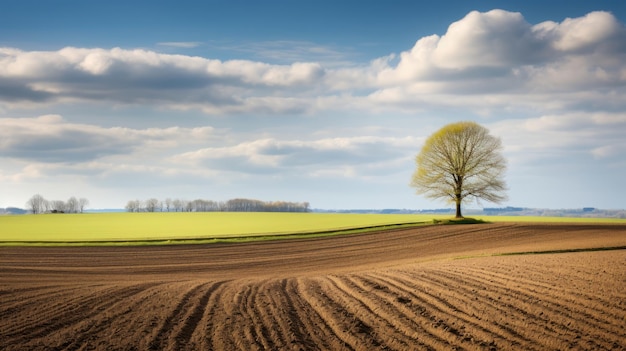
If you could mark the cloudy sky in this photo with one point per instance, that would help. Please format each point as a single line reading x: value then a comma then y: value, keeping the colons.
x: 319, y: 101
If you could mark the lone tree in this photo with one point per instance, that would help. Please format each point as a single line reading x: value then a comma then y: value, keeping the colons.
x: 460, y: 162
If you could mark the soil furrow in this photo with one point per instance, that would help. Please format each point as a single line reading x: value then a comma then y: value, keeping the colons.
x: 297, y: 317
x: 293, y: 330
x: 324, y: 330
x: 518, y: 307
x: 564, y: 309
x: 541, y: 287
x: 81, y: 334
x: 439, y: 318
x: 16, y: 296
x: 166, y: 335
x: 73, y: 331
x: 221, y: 323
x: 43, y: 305
x: 68, y: 312
x: 442, y: 313
x: 265, y: 317
x: 555, y: 306
x: 330, y: 312
x: 245, y: 323
x: 369, y: 312
x: 310, y: 330
x: 491, y: 307
x: 193, y: 318
x: 362, y: 316
x: 209, y: 318
x: 404, y: 328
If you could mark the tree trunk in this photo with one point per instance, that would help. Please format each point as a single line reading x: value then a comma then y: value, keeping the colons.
x: 458, y: 209
x: 457, y: 195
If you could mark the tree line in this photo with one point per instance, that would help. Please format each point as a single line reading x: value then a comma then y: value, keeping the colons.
x: 201, y: 205
x: 38, y: 204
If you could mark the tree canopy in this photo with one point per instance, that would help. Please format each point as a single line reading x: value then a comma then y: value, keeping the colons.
x: 461, y: 162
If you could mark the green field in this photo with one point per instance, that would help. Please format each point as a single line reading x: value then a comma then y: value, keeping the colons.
x: 111, y: 227
x: 163, y: 228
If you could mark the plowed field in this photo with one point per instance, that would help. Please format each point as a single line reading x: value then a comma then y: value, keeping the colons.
x: 430, y: 288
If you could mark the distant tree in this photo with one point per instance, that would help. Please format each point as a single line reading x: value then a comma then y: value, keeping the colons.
x: 168, y: 204
x: 459, y: 162
x: 72, y: 205
x: 36, y: 204
x: 58, y: 206
x: 133, y: 206
x: 82, y: 203
x: 177, y: 204
x: 151, y: 205
x: 187, y: 205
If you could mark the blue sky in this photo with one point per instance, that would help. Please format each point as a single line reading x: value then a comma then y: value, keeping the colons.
x: 319, y: 101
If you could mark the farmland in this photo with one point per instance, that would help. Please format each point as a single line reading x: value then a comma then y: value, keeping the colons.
x: 206, y: 227
x: 426, y: 287
x: 164, y: 227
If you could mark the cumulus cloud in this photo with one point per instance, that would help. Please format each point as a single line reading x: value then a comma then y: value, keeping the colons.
x: 596, y: 29
x: 493, y: 39
x: 51, y: 139
x: 497, y: 54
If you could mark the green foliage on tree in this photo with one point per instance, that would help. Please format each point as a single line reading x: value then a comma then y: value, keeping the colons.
x: 461, y: 162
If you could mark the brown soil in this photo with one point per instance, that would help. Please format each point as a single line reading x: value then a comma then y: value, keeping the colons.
x: 394, y: 290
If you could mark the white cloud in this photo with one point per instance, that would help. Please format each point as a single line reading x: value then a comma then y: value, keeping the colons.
x: 51, y: 139
x: 493, y: 39
x: 565, y: 137
x: 575, y: 34
x: 23, y: 174
x: 96, y: 63
x: 141, y: 76
x: 489, y: 56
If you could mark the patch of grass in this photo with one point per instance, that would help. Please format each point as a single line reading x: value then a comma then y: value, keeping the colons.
x: 453, y: 221
x: 545, y: 252
x: 587, y: 249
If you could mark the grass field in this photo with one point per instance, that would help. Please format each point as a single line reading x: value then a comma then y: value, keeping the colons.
x: 163, y: 228
x: 109, y: 227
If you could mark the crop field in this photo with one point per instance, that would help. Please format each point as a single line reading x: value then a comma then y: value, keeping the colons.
x: 138, y: 227
x: 419, y: 288
x: 185, y: 227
